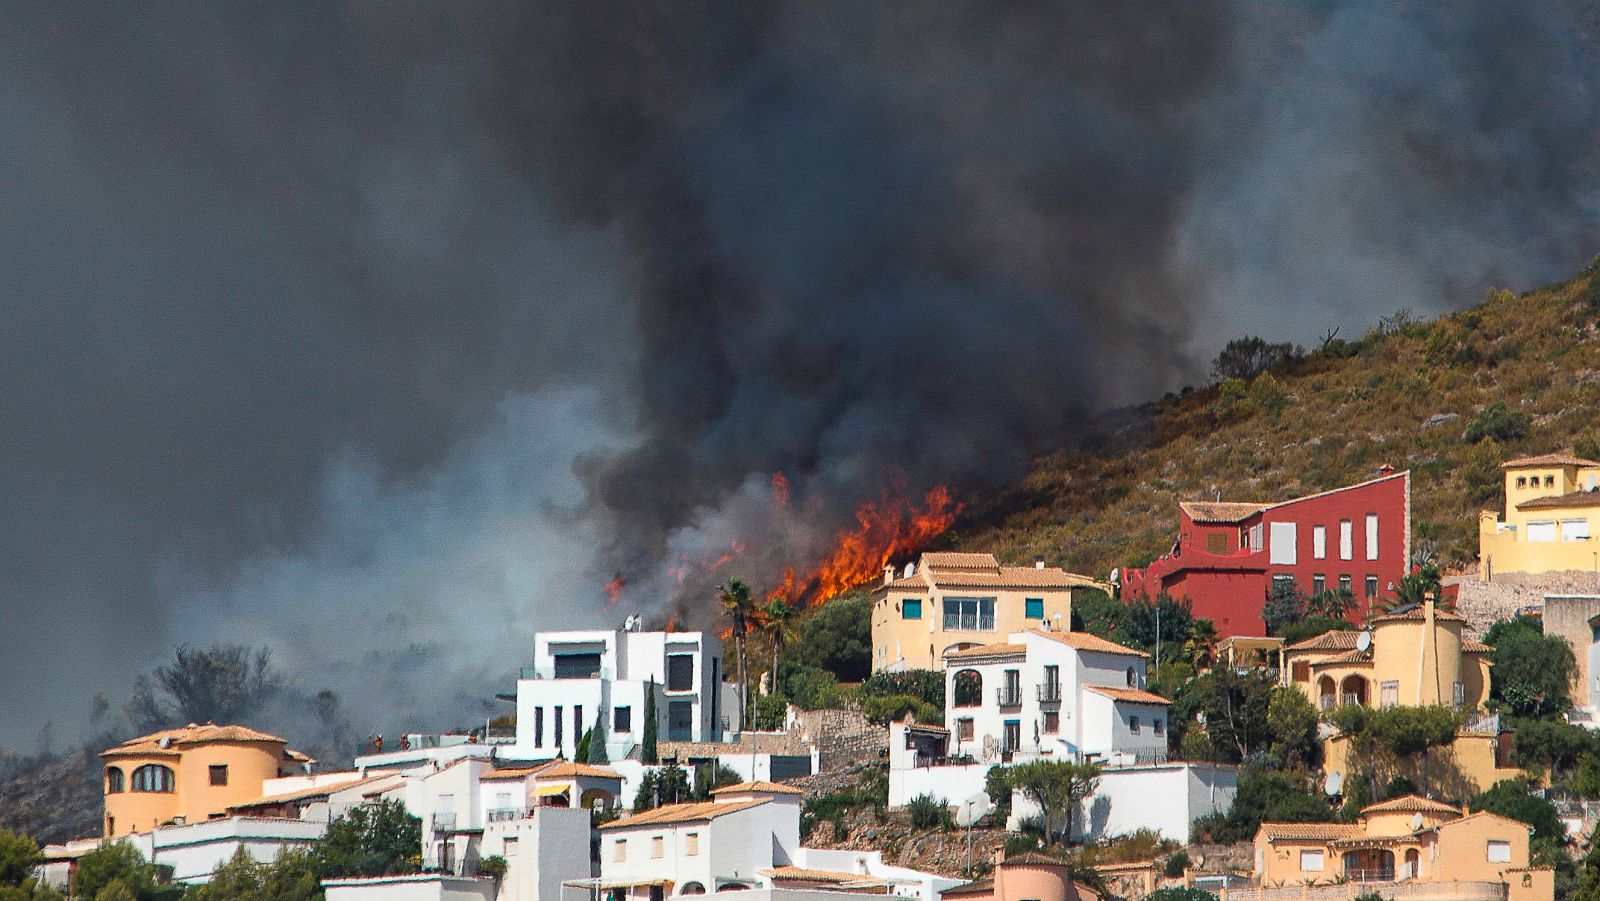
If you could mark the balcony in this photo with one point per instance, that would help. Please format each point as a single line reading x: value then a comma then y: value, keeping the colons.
x: 549, y: 672
x: 1008, y: 696
x: 444, y: 822
x: 1049, y: 692
x: 506, y: 814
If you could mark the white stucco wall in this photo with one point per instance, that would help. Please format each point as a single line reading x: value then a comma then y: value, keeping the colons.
x: 541, y: 851
x: 195, y: 850
x: 424, y: 887
x: 1165, y: 797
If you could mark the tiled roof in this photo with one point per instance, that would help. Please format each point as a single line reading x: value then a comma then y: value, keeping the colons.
x: 683, y: 813
x: 958, y: 560
x: 1131, y: 695
x: 1088, y: 641
x: 988, y: 650
x: 568, y: 769
x: 1337, y: 640
x: 1409, y: 804
x: 521, y: 772
x: 1468, y: 646
x: 770, y: 787
x: 1573, y: 499
x: 981, y: 887
x: 830, y: 876
x: 1012, y: 577
x: 1219, y: 511
x: 139, y: 749
x: 1548, y: 460
x: 209, y: 732
x: 1032, y: 859
x: 1315, y: 831
x: 1352, y: 656
x: 1417, y: 614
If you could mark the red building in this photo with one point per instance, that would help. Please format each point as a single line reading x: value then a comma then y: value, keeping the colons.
x: 1228, y: 555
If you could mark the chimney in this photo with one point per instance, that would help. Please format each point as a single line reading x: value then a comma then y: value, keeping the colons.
x: 888, y: 574
x: 1038, y: 564
x: 1385, y: 470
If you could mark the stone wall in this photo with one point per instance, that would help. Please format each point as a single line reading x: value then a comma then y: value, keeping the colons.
x: 843, y: 738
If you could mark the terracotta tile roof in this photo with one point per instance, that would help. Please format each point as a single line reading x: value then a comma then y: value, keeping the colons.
x: 1131, y: 695
x: 1572, y: 499
x: 1548, y: 460
x: 1417, y: 614
x: 1088, y: 641
x: 1220, y: 511
x: 829, y: 876
x: 1348, y: 657
x: 909, y: 583
x: 300, y: 756
x: 1468, y: 646
x: 981, y: 887
x: 1409, y: 804
x: 140, y: 749
x: 568, y: 770
x: 209, y: 732
x: 1032, y: 859
x: 770, y: 787
x: 521, y: 772
x: 1337, y: 640
x: 683, y: 813
x: 988, y: 650
x: 1022, y: 577
x: 1313, y: 831
x: 958, y: 560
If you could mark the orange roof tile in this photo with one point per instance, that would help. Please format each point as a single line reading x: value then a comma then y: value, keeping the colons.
x: 1220, y: 511
x: 988, y: 650
x: 1417, y: 613
x: 1409, y: 804
x: 1554, y: 501
x: 1312, y: 831
x: 683, y: 813
x: 521, y: 772
x: 829, y: 876
x: 1131, y: 695
x: 958, y: 560
x: 1088, y: 641
x: 1560, y: 459
x: 567, y: 770
x: 770, y: 787
x: 1337, y: 640
x: 1468, y: 646
x: 188, y: 735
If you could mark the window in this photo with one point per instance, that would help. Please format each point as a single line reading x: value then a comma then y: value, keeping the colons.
x: 1458, y: 694
x: 538, y: 727
x: 1052, y: 684
x: 1319, y: 542
x: 1310, y: 861
x: 1542, y: 531
x: 691, y: 844
x: 1499, y: 851
x: 1158, y: 726
x: 1575, y: 530
x: 622, y: 720
x: 1389, y: 693
x: 658, y: 847
x: 1347, y: 539
x: 1372, y: 536
x: 967, y: 688
x: 1549, y: 481
x: 1301, y: 671
x: 113, y: 780
x: 964, y: 729
x: 1133, y: 677
x: 1344, y: 582
x: 577, y: 722
x: 510, y: 846
x: 1216, y: 542
x: 1283, y: 551
x: 219, y: 774
x: 969, y: 614
x: 558, y: 725
x: 680, y: 672
x: 911, y: 608
x: 1255, y: 537
x: 619, y: 851
x: 1052, y: 722
x: 578, y: 666
x: 1522, y: 481
x: 1372, y: 586
x: 1133, y: 725
x: 1011, y: 693
x: 1011, y: 738
x: 1283, y: 582
x: 1319, y: 583
x: 153, y: 777
x: 1033, y: 608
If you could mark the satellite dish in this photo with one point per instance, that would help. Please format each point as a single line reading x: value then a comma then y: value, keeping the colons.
x: 1416, y: 822
x: 165, y: 742
x: 991, y: 748
x: 1116, y: 574
x: 1364, y: 642
x: 973, y: 809
x: 1335, y: 781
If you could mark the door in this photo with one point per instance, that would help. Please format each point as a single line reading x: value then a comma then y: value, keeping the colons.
x: 680, y: 721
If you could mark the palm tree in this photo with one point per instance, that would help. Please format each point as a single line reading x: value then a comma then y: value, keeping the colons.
x: 1202, y: 644
x: 777, y: 625
x: 738, y: 604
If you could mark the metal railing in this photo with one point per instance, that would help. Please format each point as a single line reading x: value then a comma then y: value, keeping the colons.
x: 1327, y: 702
x: 444, y: 822
x: 1008, y: 696
x: 1381, y: 874
x: 504, y: 814
x: 549, y: 672
x: 1049, y: 692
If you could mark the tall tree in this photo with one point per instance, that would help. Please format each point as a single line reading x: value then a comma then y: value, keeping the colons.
x: 1532, y: 672
x: 648, y: 752
x: 739, y: 605
x: 1057, y: 788
x: 220, y: 684
x: 777, y: 626
x: 597, y: 741
x: 380, y: 839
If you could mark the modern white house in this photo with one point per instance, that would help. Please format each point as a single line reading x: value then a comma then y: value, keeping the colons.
x: 194, y: 850
x: 578, y: 677
x: 1048, y: 694
x: 746, y: 838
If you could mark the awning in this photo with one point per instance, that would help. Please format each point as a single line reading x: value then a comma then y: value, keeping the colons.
x: 545, y: 791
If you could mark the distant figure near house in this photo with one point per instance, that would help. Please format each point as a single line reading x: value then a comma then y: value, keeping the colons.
x: 1229, y: 555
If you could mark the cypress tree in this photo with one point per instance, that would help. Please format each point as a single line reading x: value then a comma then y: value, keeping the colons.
x: 648, y: 754
x: 597, y: 741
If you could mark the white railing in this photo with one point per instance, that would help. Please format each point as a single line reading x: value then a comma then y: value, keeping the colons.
x: 444, y: 822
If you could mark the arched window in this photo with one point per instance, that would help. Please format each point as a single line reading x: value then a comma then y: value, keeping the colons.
x: 153, y: 777
x: 113, y: 780
x: 967, y: 688
x: 692, y: 888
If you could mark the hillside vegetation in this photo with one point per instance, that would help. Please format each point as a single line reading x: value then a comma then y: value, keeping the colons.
x: 1409, y: 393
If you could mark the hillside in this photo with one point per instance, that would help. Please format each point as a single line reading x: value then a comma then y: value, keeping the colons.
x: 1403, y: 394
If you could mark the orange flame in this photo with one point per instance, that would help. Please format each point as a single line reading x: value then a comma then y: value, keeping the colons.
x: 780, y: 491
x: 613, y: 590
x: 884, y: 530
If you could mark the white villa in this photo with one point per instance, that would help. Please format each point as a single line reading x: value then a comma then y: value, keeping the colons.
x: 578, y: 677
x: 1047, y: 694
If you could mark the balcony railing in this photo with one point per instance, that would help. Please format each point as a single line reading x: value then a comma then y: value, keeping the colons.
x: 1327, y: 702
x: 1049, y: 692
x: 549, y: 672
x: 1009, y: 696
x: 444, y: 822
x: 504, y: 814
x: 1381, y: 874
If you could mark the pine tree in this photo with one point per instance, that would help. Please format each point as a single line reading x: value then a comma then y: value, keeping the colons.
x: 581, y: 752
x: 649, y: 754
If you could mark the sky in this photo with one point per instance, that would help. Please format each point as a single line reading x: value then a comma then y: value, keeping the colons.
x: 386, y: 335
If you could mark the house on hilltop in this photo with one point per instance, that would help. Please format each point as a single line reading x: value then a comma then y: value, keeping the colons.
x: 1228, y: 555
x: 1552, y: 509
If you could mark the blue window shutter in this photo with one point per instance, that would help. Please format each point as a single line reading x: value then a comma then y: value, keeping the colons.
x: 1033, y: 608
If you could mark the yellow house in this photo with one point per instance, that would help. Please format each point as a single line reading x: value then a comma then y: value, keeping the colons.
x: 190, y: 774
x: 1438, y: 850
x: 1552, y: 509
x: 948, y: 602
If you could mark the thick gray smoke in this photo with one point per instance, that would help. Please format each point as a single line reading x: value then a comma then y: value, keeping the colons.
x: 386, y: 334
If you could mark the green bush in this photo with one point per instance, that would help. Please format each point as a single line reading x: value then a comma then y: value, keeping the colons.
x: 1175, y: 865
x: 493, y: 866
x: 881, y: 711
x: 812, y: 688
x: 997, y: 785
x: 772, y: 711
x: 1180, y: 894
x: 924, y: 684
x: 1500, y: 423
x: 837, y: 638
x: 1511, y: 798
x: 928, y: 812
x: 1262, y: 797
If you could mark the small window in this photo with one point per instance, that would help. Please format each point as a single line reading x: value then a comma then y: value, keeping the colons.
x: 1372, y: 586
x: 691, y: 844
x: 1522, y: 481
x: 1319, y: 583
x: 1158, y: 726
x: 1033, y: 608
x: 153, y: 777
x: 510, y: 846
x: 1052, y: 722
x: 964, y: 730
x: 658, y: 847
x: 622, y: 720
x: 1372, y: 536
x: 1344, y: 582
x: 1311, y: 861
x: 1133, y: 677
x: 1458, y: 694
x: 219, y: 774
x: 1216, y: 542
x: 1347, y: 539
x: 538, y: 727
x: 1499, y: 851
x: 1319, y: 542
x: 113, y: 780
x: 680, y: 672
x: 1549, y: 481
x: 911, y: 608
x: 619, y: 852
x: 1389, y: 693
x: 1133, y: 725
x: 1283, y: 582
x: 1301, y: 671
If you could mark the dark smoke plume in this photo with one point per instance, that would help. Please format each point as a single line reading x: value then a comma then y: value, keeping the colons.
x: 386, y: 334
